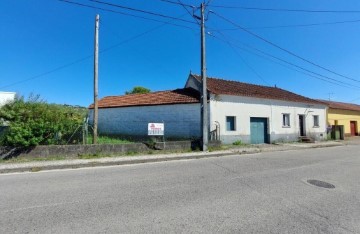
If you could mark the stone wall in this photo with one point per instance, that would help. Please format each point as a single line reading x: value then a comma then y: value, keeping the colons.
x: 74, y: 151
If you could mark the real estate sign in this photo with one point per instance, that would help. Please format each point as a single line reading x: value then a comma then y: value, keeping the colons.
x: 155, y: 129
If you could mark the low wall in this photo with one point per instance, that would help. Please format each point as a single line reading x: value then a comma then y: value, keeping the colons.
x: 74, y: 151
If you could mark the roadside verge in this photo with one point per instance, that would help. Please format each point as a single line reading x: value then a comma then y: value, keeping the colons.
x: 36, y: 166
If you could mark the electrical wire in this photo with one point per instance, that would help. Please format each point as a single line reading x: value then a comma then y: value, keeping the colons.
x: 246, y: 63
x: 123, y: 13
x: 292, y: 25
x: 177, y: 3
x: 86, y: 57
x: 284, y: 9
x: 315, y: 75
x: 141, y: 11
x: 192, y: 16
x: 283, y: 49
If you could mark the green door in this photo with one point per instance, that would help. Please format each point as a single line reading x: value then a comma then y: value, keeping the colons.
x: 258, y: 130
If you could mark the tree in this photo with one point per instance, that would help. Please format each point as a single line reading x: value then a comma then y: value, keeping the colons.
x: 32, y: 122
x: 138, y: 89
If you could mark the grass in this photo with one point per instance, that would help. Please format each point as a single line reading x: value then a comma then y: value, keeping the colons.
x: 31, y: 159
x: 237, y: 142
x: 109, y: 140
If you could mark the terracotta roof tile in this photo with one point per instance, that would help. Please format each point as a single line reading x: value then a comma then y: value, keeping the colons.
x: 227, y: 87
x: 341, y: 105
x: 178, y: 96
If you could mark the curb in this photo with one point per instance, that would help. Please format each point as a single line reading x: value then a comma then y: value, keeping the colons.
x: 115, y: 161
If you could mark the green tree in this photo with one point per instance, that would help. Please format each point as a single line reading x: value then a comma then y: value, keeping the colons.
x: 138, y: 89
x: 32, y: 122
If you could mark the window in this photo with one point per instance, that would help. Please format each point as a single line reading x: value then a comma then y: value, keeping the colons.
x: 316, y: 121
x: 230, y: 123
x: 286, y: 120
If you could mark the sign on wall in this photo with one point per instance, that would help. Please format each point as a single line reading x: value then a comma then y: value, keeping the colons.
x: 155, y: 129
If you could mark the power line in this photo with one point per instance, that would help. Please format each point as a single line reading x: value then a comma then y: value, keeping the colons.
x: 246, y: 63
x: 283, y: 49
x: 191, y: 14
x: 284, y: 9
x: 48, y: 72
x: 123, y: 13
x: 86, y: 57
x: 177, y: 3
x: 327, y: 79
x: 142, y: 11
x: 292, y: 25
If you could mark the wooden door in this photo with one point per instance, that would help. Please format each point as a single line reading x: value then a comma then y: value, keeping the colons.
x: 353, y: 129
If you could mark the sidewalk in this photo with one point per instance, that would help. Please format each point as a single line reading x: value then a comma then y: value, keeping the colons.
x: 122, y: 160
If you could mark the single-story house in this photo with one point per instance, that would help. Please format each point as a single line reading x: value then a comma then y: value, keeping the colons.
x: 345, y: 114
x: 237, y: 112
x: 129, y: 115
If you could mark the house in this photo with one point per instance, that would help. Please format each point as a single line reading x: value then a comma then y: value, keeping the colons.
x: 344, y: 114
x: 6, y: 97
x: 261, y: 114
x: 237, y: 112
x: 129, y: 115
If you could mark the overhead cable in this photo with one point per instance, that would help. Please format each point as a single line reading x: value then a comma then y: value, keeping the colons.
x: 123, y: 13
x: 313, y: 74
x: 142, y: 11
x: 284, y: 9
x: 283, y: 49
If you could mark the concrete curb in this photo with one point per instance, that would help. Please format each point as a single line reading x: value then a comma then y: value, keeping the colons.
x: 113, y: 161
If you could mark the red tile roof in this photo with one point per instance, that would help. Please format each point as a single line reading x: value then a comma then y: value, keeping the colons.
x: 227, y: 87
x: 341, y: 105
x: 178, y: 96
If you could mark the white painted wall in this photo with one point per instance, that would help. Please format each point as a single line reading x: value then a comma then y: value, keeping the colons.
x: 181, y: 120
x: 6, y: 97
x: 244, y: 108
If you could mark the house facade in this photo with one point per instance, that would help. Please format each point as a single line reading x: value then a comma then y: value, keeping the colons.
x: 344, y: 114
x: 237, y: 112
x: 260, y: 114
x: 129, y: 115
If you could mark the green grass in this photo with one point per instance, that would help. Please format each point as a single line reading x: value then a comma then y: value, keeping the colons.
x: 237, y: 142
x: 109, y: 140
x: 93, y: 156
x: 31, y: 159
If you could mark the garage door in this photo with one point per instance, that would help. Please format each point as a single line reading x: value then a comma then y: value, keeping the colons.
x: 258, y: 130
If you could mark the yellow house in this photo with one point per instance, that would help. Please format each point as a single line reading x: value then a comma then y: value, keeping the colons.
x: 346, y: 114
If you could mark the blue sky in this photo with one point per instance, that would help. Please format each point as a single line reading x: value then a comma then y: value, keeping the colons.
x: 43, y: 37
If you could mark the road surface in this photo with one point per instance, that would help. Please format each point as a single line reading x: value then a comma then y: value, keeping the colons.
x: 259, y: 193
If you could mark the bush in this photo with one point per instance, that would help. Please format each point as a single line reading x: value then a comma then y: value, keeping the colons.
x: 237, y: 142
x: 33, y: 122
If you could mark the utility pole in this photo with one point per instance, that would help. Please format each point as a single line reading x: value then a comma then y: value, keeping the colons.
x: 96, y: 68
x: 204, y: 104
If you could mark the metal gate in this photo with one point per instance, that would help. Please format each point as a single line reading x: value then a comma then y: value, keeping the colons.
x: 258, y: 130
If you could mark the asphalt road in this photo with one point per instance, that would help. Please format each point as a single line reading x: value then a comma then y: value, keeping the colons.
x: 260, y: 193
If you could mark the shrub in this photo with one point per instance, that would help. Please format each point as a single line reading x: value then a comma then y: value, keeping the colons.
x: 237, y: 142
x: 32, y: 122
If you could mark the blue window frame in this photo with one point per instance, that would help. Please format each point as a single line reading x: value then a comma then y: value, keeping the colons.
x: 230, y: 123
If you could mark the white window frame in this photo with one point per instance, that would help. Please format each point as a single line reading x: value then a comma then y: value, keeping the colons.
x: 286, y: 124
x: 316, y: 125
x: 226, y: 121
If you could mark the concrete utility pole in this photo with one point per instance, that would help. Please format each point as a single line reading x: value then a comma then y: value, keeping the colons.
x: 96, y: 68
x: 204, y: 104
